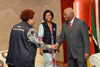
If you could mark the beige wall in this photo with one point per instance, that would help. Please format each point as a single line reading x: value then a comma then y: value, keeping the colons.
x: 10, y: 11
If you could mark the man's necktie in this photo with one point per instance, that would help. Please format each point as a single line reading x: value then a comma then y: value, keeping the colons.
x: 69, y: 25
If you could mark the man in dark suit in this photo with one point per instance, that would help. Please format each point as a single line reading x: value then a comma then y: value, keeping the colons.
x: 75, y: 32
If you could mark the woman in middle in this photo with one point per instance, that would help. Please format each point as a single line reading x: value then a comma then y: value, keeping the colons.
x: 47, y: 34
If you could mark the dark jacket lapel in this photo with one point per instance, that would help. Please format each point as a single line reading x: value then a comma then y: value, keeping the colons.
x: 74, y: 23
x: 67, y: 27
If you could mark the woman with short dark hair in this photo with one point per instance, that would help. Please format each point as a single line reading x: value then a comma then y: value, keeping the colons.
x: 47, y: 34
x: 23, y: 42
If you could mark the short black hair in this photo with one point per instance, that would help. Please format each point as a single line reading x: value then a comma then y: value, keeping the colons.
x: 47, y: 11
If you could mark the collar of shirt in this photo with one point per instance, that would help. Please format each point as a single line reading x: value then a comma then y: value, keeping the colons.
x: 72, y: 20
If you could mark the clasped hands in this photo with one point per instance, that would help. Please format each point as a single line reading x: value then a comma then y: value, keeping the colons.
x: 54, y: 46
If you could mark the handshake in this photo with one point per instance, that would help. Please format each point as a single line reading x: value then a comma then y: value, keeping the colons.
x: 54, y: 46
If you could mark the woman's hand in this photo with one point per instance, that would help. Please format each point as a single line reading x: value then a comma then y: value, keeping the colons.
x: 41, y: 52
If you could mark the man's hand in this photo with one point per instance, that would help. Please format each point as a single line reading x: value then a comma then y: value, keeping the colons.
x: 54, y: 46
x: 86, y: 55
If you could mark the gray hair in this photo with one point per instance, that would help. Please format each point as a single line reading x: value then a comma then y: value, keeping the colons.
x: 70, y: 10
